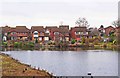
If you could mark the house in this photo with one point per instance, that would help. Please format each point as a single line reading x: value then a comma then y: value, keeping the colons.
x: 109, y: 30
x: 38, y: 32
x: 50, y: 30
x: 64, y: 32
x: 93, y: 32
x: 12, y: 34
x: 55, y: 34
x: 5, y: 32
x: 19, y: 33
x: 117, y: 31
x: 101, y: 31
x: 78, y: 32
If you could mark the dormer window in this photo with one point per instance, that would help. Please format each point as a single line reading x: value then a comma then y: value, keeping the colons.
x: 35, y: 32
x: 47, y: 31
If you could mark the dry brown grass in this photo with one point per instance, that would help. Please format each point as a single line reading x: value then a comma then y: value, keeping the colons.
x: 11, y: 67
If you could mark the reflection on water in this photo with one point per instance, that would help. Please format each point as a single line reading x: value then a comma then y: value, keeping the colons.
x: 57, y: 49
x: 71, y: 63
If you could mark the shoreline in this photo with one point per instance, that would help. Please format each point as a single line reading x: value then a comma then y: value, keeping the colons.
x: 12, y: 67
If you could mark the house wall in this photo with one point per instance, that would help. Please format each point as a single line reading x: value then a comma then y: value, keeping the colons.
x: 108, y: 30
x: 39, y: 36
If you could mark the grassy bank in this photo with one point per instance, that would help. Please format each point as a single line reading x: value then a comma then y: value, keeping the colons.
x: 12, y: 67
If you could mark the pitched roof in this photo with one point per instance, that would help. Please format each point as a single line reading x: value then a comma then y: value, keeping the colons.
x: 109, y: 27
x: 5, y: 29
x: 79, y: 29
x: 21, y: 29
x: 37, y: 28
x: 64, y: 26
x: 63, y: 30
x: 51, y: 27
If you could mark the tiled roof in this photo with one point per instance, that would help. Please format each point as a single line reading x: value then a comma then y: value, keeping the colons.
x: 51, y: 27
x: 5, y: 29
x: 79, y: 29
x: 20, y: 29
x: 37, y: 28
x: 109, y: 27
x: 64, y: 26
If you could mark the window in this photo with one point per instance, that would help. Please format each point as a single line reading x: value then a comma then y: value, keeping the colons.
x: 41, y: 33
x: 40, y: 38
x: 56, y: 33
x: 47, y: 31
x: 46, y: 38
x: 87, y: 33
x: 81, y: 33
x: 35, y: 32
x: 76, y: 33
x: 13, y: 32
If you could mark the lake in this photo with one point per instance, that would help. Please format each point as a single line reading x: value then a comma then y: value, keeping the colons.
x: 71, y: 63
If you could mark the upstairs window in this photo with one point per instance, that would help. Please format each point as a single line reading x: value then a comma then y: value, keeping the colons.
x: 77, y: 33
x: 13, y: 33
x: 56, y: 33
x: 41, y: 32
x: 35, y: 32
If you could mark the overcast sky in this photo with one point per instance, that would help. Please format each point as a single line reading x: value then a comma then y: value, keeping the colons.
x: 53, y: 12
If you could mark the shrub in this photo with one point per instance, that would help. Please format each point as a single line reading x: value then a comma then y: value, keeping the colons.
x: 30, y: 44
x: 16, y: 44
x: 36, y: 41
x: 49, y: 43
x: 83, y: 39
x: 4, y: 43
x: 73, y: 41
x: 114, y: 42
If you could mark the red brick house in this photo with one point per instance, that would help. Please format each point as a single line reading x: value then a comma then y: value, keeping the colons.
x: 50, y: 30
x: 19, y: 33
x: 57, y: 34
x: 108, y: 30
x: 93, y: 32
x: 38, y: 32
x: 64, y: 32
x: 78, y: 32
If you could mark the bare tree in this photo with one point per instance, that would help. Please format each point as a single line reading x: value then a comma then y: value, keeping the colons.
x: 82, y: 22
x: 116, y: 23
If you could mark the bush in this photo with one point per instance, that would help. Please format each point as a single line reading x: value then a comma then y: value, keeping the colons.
x: 114, y: 42
x: 49, y: 43
x: 36, y: 41
x: 16, y: 44
x: 111, y: 40
x: 4, y: 43
x: 73, y: 41
x: 30, y: 44
x: 83, y: 39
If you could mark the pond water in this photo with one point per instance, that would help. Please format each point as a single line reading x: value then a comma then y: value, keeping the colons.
x: 71, y: 63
